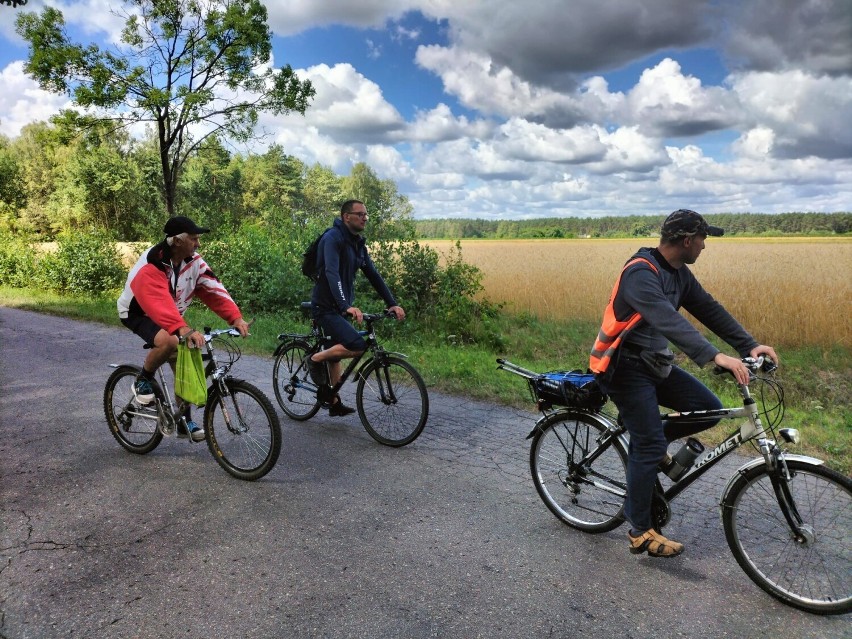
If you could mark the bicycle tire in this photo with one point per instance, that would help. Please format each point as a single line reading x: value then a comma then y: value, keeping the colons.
x: 133, y: 425
x: 242, y: 430
x: 392, y: 401
x: 589, y: 497
x: 295, y: 392
x: 814, y: 576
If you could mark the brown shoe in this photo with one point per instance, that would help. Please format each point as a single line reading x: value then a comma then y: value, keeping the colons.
x: 655, y: 544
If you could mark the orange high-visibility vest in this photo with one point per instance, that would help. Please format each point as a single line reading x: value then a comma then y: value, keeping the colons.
x: 613, y: 330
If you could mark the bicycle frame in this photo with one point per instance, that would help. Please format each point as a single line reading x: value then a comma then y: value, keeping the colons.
x: 317, y: 340
x: 168, y: 413
x: 752, y: 429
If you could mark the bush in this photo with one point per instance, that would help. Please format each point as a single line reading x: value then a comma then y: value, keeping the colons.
x: 17, y: 262
x: 260, y: 271
x: 444, y: 299
x: 85, y: 263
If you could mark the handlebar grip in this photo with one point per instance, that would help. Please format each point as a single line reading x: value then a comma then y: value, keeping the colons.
x: 760, y: 363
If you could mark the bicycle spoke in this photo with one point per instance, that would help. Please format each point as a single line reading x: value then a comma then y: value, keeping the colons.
x: 392, y: 401
x: 243, y: 431
x: 582, y: 486
x: 813, y: 573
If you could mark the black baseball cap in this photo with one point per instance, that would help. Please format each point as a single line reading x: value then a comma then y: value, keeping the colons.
x: 684, y: 222
x: 181, y: 224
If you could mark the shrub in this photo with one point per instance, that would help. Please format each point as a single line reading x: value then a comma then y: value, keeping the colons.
x: 260, y: 271
x: 445, y: 299
x: 17, y: 262
x: 85, y: 263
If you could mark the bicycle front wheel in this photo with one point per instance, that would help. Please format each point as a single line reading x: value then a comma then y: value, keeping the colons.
x: 583, y: 483
x: 814, y: 573
x: 295, y: 391
x: 392, y: 401
x: 133, y: 425
x: 242, y: 429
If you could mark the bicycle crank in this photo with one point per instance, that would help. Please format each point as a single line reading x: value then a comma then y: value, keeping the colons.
x: 661, y: 514
x: 165, y: 420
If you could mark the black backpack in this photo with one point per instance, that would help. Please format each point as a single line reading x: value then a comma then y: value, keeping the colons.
x: 309, y: 259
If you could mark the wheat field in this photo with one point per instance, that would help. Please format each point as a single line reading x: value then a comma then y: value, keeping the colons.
x: 785, y: 291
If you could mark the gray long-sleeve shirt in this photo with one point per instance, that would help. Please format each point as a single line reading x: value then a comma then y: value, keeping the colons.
x: 657, y: 297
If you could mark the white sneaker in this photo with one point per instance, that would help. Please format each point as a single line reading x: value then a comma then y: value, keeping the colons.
x: 143, y: 391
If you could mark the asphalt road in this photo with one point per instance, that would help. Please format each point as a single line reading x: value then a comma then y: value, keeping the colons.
x: 344, y: 538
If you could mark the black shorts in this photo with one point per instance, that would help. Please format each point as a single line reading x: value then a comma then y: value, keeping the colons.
x: 340, y: 331
x: 143, y: 326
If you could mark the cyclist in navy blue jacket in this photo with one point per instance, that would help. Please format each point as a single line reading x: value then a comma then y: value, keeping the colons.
x: 342, y: 252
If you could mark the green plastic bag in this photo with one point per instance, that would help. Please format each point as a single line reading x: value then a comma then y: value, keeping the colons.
x: 190, y: 382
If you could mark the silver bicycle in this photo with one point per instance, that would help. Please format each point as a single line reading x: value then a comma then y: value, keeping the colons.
x: 787, y: 518
x: 241, y: 425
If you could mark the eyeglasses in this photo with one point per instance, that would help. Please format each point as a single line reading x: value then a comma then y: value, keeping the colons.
x: 361, y: 214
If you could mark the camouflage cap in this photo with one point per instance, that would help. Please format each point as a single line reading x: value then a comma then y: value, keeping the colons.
x: 683, y: 223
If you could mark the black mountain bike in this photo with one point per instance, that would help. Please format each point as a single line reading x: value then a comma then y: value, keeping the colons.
x: 391, y: 397
x: 241, y: 426
x: 787, y: 518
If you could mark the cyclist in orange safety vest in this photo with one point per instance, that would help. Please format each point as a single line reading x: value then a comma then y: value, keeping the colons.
x: 635, y: 367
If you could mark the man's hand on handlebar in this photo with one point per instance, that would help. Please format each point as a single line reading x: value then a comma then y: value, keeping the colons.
x: 397, y: 312
x: 736, y: 366
x: 191, y: 337
x: 356, y: 313
x: 766, y: 351
x: 765, y: 355
x: 242, y: 326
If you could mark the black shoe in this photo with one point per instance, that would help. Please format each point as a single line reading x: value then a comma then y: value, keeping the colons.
x: 339, y: 409
x: 318, y: 372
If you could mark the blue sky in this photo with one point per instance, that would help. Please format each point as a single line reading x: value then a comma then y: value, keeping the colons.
x: 499, y: 109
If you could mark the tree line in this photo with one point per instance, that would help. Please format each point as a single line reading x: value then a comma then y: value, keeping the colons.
x: 839, y: 223
x: 88, y: 187
x: 65, y: 176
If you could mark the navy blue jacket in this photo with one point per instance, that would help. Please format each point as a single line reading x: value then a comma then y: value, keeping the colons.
x: 339, y: 256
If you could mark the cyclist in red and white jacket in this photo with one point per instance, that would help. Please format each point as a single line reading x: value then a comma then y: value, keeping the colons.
x: 159, y: 289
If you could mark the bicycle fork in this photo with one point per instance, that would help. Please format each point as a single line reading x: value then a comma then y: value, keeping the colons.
x: 781, y: 478
x: 779, y: 473
x: 238, y: 426
x: 385, y: 387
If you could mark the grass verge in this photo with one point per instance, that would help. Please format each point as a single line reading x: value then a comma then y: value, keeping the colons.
x: 817, y: 381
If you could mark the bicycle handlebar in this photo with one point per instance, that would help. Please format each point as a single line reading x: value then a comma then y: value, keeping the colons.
x: 754, y: 365
x: 210, y: 333
x: 374, y: 317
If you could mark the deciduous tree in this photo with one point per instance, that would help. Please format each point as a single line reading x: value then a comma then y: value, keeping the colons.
x: 193, y: 68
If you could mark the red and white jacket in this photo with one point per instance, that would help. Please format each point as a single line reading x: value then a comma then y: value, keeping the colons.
x: 156, y: 289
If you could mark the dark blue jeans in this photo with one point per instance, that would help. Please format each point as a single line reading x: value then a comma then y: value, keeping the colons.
x: 638, y: 396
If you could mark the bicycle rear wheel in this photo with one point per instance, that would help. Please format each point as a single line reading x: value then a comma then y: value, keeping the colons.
x: 295, y: 391
x: 814, y: 574
x: 243, y: 431
x: 133, y: 425
x: 583, y: 484
x: 392, y: 401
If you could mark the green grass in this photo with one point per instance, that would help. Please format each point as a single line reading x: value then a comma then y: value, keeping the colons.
x: 817, y: 381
